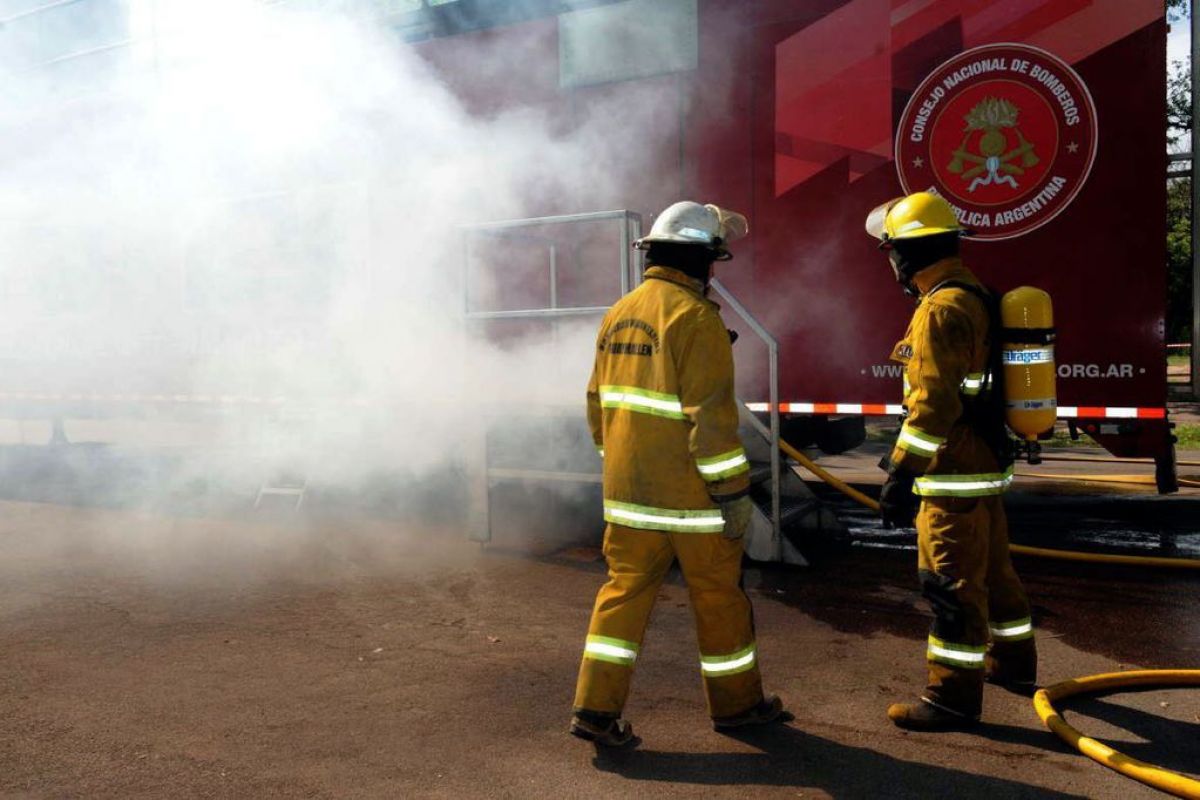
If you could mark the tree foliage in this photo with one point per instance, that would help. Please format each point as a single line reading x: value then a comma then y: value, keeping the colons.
x: 1179, y: 101
x: 1179, y: 197
x: 1179, y: 260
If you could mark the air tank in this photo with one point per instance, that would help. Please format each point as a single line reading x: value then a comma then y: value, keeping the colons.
x: 1031, y: 397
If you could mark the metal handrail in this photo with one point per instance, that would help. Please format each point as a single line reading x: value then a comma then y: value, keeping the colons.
x: 772, y: 433
x: 539, y: 313
x: 631, y: 228
x: 630, y: 265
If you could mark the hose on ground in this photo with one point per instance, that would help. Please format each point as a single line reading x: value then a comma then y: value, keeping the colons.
x: 1139, y: 480
x: 837, y: 483
x: 1100, y: 460
x: 1162, y: 779
x: 1037, y: 552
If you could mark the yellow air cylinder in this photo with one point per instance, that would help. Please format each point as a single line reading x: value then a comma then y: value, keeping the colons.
x: 1031, y: 397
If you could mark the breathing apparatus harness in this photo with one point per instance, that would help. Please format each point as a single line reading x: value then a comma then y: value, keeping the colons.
x: 984, y: 413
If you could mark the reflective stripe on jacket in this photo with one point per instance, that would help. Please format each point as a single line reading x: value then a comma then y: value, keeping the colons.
x: 945, y: 353
x: 662, y: 411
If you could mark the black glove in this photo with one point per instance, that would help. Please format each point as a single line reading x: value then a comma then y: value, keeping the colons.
x: 737, y: 515
x: 897, y: 503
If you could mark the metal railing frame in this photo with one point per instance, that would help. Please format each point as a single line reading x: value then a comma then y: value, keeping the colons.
x: 771, y: 432
x: 630, y: 274
x: 630, y: 267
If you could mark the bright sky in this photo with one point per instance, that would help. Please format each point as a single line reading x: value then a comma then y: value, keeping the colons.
x: 1179, y: 46
x: 1179, y: 40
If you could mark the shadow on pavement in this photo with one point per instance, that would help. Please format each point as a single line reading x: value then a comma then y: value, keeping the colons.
x: 791, y: 757
x: 1168, y: 743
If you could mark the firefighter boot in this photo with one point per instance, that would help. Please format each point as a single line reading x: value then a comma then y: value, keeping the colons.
x: 766, y: 712
x: 1013, y: 666
x: 603, y: 729
x: 926, y: 716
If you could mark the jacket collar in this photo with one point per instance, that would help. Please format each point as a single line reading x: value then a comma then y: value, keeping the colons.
x: 673, y: 275
x: 948, y: 269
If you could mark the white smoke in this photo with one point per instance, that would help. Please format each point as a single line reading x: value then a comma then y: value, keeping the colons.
x: 253, y: 202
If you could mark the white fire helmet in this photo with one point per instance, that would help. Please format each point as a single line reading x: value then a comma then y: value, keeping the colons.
x: 687, y: 222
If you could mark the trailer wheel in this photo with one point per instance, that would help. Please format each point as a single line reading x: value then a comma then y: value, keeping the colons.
x: 1165, y: 474
x: 840, y: 434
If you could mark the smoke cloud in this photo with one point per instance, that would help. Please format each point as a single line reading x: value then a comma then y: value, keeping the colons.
x: 240, y: 234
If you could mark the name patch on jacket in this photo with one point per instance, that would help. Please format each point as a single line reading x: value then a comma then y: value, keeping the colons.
x: 902, y: 352
x: 630, y: 348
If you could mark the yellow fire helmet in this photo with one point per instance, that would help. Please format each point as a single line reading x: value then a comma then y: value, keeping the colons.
x: 919, y: 214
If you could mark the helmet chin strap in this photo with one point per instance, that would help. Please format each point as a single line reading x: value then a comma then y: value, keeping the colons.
x: 903, y: 277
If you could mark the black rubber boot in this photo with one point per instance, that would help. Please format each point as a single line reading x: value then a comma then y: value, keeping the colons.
x: 1016, y: 671
x: 604, y: 731
x: 925, y: 716
x: 768, y: 711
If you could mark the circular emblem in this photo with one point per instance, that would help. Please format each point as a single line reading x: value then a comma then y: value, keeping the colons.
x: 1005, y: 132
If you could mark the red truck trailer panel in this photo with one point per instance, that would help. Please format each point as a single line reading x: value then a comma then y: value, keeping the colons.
x: 1041, y: 120
x: 823, y: 154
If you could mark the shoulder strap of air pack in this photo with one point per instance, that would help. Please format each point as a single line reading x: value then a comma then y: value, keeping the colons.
x: 986, y: 413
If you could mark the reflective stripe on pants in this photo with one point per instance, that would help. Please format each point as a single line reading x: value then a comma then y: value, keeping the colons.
x: 1012, y: 631
x: 962, y: 546
x: 614, y: 651
x: 730, y: 664
x: 638, y: 561
x: 979, y: 485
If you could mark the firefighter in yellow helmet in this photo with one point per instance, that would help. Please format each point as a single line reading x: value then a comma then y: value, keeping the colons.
x: 663, y: 415
x: 952, y: 456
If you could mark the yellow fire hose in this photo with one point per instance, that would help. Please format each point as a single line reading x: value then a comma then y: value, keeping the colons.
x: 1043, y: 701
x: 1140, y: 480
x: 1039, y: 552
x: 1158, y: 777
x: 1098, y: 460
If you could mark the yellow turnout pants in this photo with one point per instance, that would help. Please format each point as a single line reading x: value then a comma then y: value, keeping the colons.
x: 981, y: 614
x: 638, y: 561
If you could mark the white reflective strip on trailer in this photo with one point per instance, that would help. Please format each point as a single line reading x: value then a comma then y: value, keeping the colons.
x: 837, y: 408
x: 609, y: 650
x: 721, y: 466
x: 1068, y: 411
x: 689, y: 522
x: 959, y: 655
x: 726, y: 666
x: 1121, y: 413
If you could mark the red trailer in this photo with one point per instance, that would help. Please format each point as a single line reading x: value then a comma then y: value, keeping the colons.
x: 1042, y: 121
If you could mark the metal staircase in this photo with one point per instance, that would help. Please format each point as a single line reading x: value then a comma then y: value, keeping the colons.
x: 788, y: 513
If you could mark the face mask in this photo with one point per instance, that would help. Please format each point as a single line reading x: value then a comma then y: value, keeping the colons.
x: 898, y: 270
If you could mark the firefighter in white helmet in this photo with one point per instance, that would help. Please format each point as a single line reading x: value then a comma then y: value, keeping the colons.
x: 953, y: 456
x: 663, y: 415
